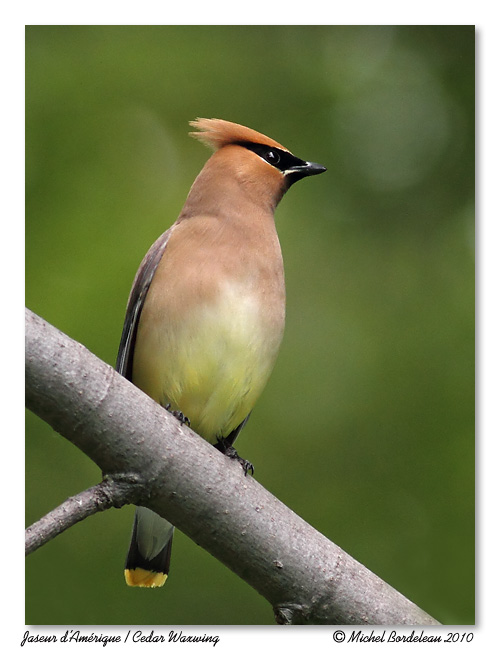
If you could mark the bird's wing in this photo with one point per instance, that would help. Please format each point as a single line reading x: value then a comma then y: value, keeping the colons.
x: 138, y: 294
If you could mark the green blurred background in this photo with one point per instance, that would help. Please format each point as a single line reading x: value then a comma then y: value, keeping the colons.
x: 366, y: 428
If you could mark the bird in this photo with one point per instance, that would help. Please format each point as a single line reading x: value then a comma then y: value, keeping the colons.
x: 206, y: 312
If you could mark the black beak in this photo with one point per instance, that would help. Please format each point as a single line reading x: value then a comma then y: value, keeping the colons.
x: 310, y: 169
x: 297, y: 172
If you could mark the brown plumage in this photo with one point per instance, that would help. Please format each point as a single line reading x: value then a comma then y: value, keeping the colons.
x: 218, y: 133
x: 206, y: 312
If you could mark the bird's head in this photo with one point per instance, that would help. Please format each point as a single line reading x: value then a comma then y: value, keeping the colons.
x: 262, y: 165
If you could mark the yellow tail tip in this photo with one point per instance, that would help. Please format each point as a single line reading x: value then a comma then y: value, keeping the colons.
x: 144, y: 578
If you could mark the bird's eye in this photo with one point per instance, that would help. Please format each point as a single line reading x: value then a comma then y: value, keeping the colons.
x: 272, y: 157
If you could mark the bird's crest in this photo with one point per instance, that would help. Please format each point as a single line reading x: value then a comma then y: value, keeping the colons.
x: 218, y: 133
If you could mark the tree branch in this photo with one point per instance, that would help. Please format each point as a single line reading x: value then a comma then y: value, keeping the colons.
x: 162, y: 464
x: 110, y: 493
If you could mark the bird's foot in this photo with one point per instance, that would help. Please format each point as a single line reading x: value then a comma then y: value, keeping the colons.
x: 231, y: 452
x: 179, y: 415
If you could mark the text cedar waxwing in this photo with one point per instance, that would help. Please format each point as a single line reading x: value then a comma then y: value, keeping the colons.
x: 206, y: 312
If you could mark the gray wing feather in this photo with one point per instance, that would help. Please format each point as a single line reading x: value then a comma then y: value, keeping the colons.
x: 140, y: 287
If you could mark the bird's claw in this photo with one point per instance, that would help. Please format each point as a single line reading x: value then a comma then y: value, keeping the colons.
x: 231, y: 452
x: 179, y: 415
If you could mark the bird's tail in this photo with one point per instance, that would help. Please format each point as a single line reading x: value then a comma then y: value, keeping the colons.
x: 148, y: 558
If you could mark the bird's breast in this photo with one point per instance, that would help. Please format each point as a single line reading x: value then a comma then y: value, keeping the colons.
x: 210, y: 356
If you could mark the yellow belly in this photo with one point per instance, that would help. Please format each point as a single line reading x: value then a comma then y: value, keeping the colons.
x: 212, y: 364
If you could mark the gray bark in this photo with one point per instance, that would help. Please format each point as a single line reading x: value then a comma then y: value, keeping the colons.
x: 149, y: 458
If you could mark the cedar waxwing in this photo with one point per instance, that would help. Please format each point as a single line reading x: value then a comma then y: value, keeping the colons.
x: 206, y: 312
